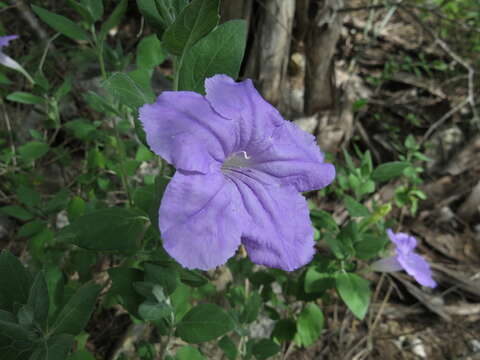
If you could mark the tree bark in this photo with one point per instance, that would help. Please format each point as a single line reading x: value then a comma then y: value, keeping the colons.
x: 236, y: 9
x: 270, y: 53
x: 321, y: 39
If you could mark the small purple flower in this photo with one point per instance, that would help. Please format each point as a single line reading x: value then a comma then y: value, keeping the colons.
x: 4, y: 40
x: 4, y: 59
x: 7, y: 61
x: 240, y: 170
x: 406, y: 259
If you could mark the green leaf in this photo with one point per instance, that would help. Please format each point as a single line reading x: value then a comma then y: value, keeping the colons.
x: 99, y: 103
x: 323, y: 220
x: 150, y: 311
x: 63, y: 89
x: 55, y: 348
x: 284, y: 330
x: 369, y: 246
x: 149, y: 11
x: 195, y: 21
x: 265, y: 348
x: 25, y: 316
x: 114, y: 19
x: 81, y: 355
x: 252, y: 308
x: 150, y: 52
x: 319, y: 279
x: 354, y: 208
x: 25, y: 98
x: 28, y: 196
x: 81, y: 128
x: 81, y: 10
x: 58, y: 202
x: 132, y: 89
x: 15, y: 282
x: 309, y: 325
x: 390, y: 170
x: 220, y: 52
x: 31, y: 228
x: 355, y: 292
x: 16, y: 212
x: 61, y: 24
x: 15, y: 340
x: 180, y: 300
x: 7, y: 316
x: 113, y: 229
x: 122, y: 285
x: 33, y: 150
x: 166, y: 277
x: 204, y: 322
x: 148, y: 198
x: 76, y: 208
x: 75, y: 314
x: 94, y: 7
x: 38, y: 300
x: 82, y: 261
x: 4, y: 80
x: 55, y: 285
x: 188, y: 353
x: 228, y: 347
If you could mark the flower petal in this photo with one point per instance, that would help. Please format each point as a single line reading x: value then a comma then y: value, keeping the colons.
x: 199, y: 219
x: 295, y: 159
x: 182, y: 128
x: 277, y: 231
x: 254, y: 118
x: 4, y: 40
x: 404, y: 243
x: 418, y: 267
x: 390, y: 264
x: 289, y: 155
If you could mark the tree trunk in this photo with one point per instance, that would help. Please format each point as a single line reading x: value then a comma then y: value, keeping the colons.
x: 321, y: 39
x: 268, y: 59
x: 309, y: 87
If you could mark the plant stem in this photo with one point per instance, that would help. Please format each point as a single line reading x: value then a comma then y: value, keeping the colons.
x: 177, y: 65
x: 122, y: 154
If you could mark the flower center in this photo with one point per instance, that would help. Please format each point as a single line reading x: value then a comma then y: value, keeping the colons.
x: 239, y: 159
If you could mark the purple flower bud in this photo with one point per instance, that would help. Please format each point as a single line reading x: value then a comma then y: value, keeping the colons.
x: 406, y: 259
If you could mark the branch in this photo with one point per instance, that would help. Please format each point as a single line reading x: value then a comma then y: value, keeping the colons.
x: 471, y: 72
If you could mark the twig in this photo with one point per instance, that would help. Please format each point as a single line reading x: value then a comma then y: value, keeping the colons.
x: 369, y: 7
x: 45, y: 52
x: 282, y: 25
x: 8, y: 8
x: 10, y: 136
x: 431, y: 10
x: 440, y: 121
x: 27, y: 14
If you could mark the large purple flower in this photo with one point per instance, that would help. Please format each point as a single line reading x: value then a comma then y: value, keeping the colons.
x: 240, y: 170
x: 406, y: 259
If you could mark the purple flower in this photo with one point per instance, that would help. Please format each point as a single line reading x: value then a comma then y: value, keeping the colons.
x: 4, y: 40
x: 4, y: 59
x: 8, y: 61
x: 240, y: 170
x: 406, y: 259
